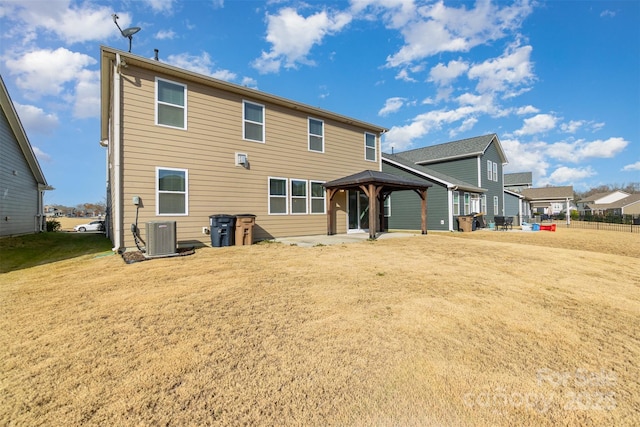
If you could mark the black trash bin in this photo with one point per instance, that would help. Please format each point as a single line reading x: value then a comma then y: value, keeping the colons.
x: 222, y: 230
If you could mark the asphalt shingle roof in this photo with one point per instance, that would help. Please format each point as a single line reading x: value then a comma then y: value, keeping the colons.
x: 518, y: 178
x: 452, y: 150
x: 548, y: 193
x: 424, y: 170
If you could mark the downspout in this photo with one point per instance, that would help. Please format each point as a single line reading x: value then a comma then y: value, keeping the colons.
x: 450, y: 205
x: 117, y: 209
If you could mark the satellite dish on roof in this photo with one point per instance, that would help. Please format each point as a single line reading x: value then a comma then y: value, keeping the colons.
x: 127, y: 32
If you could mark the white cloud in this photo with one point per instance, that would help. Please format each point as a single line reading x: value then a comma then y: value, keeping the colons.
x: 632, y: 167
x: 391, y: 106
x: 466, y: 125
x: 529, y: 109
x: 44, y: 72
x: 160, y: 5
x: 41, y: 155
x: 607, y: 14
x: 565, y: 175
x: 249, y: 82
x: 537, y: 124
x: 577, y: 151
x: 443, y: 74
x: 504, y: 73
x: 35, y: 120
x: 526, y: 157
x: 71, y: 23
x: 201, y: 64
x: 435, y: 28
x: 292, y: 37
x: 572, y: 126
x: 87, y: 99
x: 403, y: 74
x: 165, y: 35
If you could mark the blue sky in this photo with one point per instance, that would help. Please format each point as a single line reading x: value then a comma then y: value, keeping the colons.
x: 558, y: 81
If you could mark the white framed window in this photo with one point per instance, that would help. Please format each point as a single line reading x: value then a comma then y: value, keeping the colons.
x: 456, y: 203
x: 318, y: 201
x: 278, y: 203
x: 298, y: 196
x: 495, y: 171
x: 496, y: 206
x: 484, y: 204
x: 253, y: 121
x: 172, y: 191
x: 370, y: 147
x: 467, y: 202
x: 387, y: 206
x: 316, y: 135
x: 171, y: 104
x: 489, y: 170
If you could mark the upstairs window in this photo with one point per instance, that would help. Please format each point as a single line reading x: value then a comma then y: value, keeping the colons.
x: 370, y: 147
x: 318, y: 202
x: 316, y: 135
x: 253, y: 118
x: 171, y: 191
x: 171, y: 104
x: 495, y: 172
x: 489, y: 170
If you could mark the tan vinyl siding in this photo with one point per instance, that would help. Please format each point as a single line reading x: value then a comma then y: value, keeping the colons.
x: 207, y: 150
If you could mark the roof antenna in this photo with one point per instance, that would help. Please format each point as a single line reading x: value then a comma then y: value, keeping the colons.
x: 127, y: 32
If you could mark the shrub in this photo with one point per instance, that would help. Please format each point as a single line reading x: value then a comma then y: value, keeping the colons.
x: 53, y: 225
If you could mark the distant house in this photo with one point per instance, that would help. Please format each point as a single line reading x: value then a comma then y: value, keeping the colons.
x: 614, y: 203
x: 515, y: 206
x: 22, y: 183
x: 549, y: 200
x: 182, y: 147
x: 467, y: 177
x: 516, y: 182
x: 595, y: 203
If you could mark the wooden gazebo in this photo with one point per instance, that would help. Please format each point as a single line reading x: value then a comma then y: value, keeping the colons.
x: 377, y: 186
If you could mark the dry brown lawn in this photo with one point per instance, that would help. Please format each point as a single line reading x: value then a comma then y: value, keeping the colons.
x: 482, y: 328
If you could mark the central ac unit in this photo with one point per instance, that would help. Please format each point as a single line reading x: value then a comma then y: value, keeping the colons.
x: 161, y: 238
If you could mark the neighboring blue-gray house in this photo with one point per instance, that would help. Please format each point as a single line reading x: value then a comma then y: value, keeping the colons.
x: 516, y: 207
x: 467, y: 177
x: 518, y: 181
x: 22, y: 183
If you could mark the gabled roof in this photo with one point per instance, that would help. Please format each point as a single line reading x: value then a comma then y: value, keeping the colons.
x: 16, y: 127
x: 622, y: 203
x: 598, y: 196
x: 375, y: 177
x: 514, y: 194
x: 518, y: 178
x: 109, y: 54
x: 470, y: 147
x: 428, y: 173
x: 548, y: 193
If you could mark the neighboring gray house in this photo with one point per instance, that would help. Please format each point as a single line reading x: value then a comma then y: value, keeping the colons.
x: 467, y: 177
x: 515, y: 206
x: 22, y: 183
x: 549, y: 200
x: 518, y: 181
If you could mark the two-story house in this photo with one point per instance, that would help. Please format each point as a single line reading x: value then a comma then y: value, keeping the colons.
x: 467, y: 177
x: 182, y: 146
x: 22, y: 183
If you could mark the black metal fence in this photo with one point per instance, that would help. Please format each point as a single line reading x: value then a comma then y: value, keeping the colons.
x: 605, y: 226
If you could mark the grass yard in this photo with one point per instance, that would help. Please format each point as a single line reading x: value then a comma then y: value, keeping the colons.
x: 484, y: 328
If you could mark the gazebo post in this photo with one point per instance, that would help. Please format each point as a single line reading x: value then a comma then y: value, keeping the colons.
x: 423, y: 216
x: 330, y: 211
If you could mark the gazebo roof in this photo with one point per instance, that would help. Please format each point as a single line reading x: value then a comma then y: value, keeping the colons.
x: 386, y: 180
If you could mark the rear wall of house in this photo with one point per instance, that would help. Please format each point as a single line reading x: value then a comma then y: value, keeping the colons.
x: 406, y: 206
x: 207, y: 151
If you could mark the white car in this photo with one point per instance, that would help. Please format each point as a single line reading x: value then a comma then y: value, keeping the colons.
x: 92, y: 226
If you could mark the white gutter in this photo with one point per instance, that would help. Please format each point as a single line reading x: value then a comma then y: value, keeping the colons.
x: 116, y: 189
